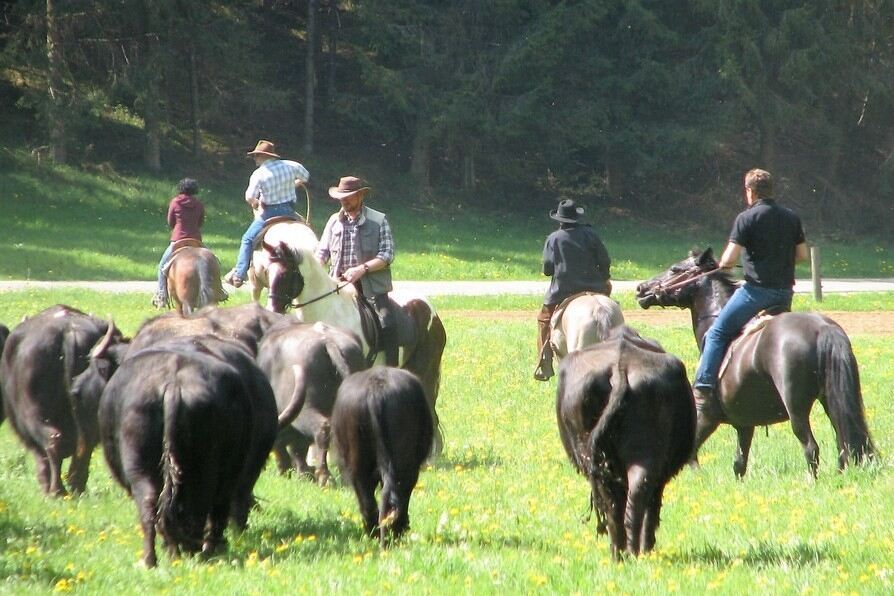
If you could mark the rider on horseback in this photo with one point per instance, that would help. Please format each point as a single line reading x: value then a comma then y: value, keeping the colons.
x: 577, y: 261
x: 358, y: 245
x: 773, y: 240
x: 186, y: 214
x: 272, y: 187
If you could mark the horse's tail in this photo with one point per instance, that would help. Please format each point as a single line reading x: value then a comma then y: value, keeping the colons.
x: 210, y: 287
x: 839, y: 380
x: 612, y: 408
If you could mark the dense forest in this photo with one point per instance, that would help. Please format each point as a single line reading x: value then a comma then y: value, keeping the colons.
x: 647, y: 106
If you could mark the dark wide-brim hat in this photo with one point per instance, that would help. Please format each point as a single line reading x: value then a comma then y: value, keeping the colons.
x: 347, y: 186
x: 264, y: 148
x: 567, y: 212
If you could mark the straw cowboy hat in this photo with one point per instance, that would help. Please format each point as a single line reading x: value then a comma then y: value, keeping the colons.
x: 264, y: 148
x: 347, y: 186
x: 567, y: 212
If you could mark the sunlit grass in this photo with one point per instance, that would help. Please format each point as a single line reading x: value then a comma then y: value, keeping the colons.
x: 501, y: 511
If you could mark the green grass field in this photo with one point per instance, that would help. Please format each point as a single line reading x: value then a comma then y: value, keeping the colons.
x: 63, y: 223
x: 501, y: 511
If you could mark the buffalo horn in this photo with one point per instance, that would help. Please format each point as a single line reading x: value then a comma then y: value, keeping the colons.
x: 99, y: 350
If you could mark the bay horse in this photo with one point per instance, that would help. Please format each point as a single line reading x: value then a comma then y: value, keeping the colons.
x: 773, y: 375
x: 296, y: 279
x: 193, y: 277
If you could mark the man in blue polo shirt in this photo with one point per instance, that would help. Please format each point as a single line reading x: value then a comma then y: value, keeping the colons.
x: 773, y: 241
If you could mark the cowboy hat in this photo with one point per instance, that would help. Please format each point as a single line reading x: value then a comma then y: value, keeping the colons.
x: 347, y: 186
x: 264, y: 148
x: 567, y: 212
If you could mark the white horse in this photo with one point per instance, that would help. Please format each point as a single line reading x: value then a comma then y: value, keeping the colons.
x: 296, y: 279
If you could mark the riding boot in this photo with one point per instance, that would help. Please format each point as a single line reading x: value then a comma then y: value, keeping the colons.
x: 390, y: 346
x: 706, y: 405
x: 544, y: 369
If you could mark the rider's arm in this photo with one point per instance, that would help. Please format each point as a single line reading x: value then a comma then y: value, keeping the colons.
x: 730, y: 256
x: 801, y: 252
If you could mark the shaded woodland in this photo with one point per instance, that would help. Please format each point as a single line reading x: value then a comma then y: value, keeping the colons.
x: 646, y: 106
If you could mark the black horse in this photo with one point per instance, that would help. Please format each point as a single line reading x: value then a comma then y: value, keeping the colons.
x: 773, y: 375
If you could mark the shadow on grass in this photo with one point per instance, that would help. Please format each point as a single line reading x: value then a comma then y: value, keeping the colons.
x: 25, y: 567
x: 329, y: 537
x: 760, y: 555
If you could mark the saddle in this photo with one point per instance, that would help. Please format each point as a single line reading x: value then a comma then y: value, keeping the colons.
x: 272, y: 222
x: 371, y: 325
x: 178, y: 247
x: 560, y: 310
x: 755, y: 325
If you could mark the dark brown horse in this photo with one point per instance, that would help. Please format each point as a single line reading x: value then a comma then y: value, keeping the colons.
x: 773, y: 375
x: 193, y: 274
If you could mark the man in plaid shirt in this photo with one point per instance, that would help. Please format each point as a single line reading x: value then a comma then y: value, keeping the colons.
x: 359, y: 248
x: 272, y: 188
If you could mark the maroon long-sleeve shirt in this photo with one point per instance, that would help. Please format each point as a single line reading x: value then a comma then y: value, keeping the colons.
x: 185, y: 217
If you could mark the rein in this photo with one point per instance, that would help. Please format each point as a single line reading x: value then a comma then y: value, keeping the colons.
x: 336, y: 290
x: 675, y: 282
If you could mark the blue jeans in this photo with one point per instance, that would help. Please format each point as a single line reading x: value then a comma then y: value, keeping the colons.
x: 248, y: 238
x: 162, y: 278
x: 745, y: 302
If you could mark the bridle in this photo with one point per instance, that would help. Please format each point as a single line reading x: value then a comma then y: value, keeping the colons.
x: 680, y: 280
x: 335, y: 290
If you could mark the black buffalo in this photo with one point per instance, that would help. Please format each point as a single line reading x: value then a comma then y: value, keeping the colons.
x: 383, y: 432
x: 186, y: 427
x: 4, y: 333
x: 306, y: 363
x: 41, y: 357
x: 246, y: 323
x: 627, y: 420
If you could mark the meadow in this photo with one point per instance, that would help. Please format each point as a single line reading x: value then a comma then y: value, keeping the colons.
x: 501, y: 511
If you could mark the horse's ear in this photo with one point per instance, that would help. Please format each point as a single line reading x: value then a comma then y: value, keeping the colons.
x: 267, y: 247
x: 706, y: 256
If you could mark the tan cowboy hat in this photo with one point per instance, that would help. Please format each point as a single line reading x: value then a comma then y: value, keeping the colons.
x: 347, y: 186
x: 264, y: 148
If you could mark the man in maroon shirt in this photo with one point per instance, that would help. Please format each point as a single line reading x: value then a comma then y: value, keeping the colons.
x: 186, y: 214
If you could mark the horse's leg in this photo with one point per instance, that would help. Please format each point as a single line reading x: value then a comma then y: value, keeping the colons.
x: 802, y: 430
x: 638, y: 489
x: 746, y: 434
x: 706, y: 424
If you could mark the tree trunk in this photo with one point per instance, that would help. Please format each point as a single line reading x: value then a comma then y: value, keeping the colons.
x: 310, y: 68
x: 152, y: 92
x: 420, y: 167
x: 334, y: 24
x: 194, y: 101
x: 469, y: 171
x: 767, y: 144
x: 56, y: 106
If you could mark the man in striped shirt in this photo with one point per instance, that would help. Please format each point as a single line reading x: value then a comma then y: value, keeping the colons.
x: 358, y: 246
x: 272, y: 187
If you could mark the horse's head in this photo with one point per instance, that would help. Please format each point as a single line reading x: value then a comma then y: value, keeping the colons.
x: 677, y: 285
x: 284, y: 276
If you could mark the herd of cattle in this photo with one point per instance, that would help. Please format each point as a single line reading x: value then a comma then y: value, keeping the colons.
x: 189, y: 409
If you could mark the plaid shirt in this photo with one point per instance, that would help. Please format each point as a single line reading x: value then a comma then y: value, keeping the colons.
x: 350, y: 248
x: 273, y: 182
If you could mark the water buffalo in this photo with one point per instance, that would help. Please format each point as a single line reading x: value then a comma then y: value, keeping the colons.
x: 246, y: 323
x: 383, y: 432
x: 627, y: 420
x: 4, y: 333
x: 186, y: 427
x: 306, y: 364
x: 40, y: 359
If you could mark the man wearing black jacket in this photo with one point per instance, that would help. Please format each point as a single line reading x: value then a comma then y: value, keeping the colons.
x: 577, y: 261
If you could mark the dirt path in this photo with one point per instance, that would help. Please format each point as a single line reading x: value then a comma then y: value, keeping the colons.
x: 880, y: 322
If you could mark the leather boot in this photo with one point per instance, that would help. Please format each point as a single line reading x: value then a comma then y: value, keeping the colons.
x: 544, y: 370
x: 706, y: 404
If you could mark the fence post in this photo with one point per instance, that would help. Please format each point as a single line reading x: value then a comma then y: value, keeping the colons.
x: 815, y: 273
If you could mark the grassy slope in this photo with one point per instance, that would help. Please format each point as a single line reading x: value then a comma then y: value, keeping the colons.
x: 65, y: 223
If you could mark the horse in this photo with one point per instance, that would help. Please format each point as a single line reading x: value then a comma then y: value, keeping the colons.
x: 583, y: 320
x: 772, y: 375
x: 193, y: 276
x: 296, y: 279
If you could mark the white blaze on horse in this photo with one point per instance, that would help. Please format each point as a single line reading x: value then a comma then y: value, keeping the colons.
x: 285, y: 262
